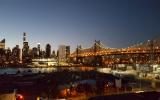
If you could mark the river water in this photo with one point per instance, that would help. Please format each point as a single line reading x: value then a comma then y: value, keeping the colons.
x: 10, y: 70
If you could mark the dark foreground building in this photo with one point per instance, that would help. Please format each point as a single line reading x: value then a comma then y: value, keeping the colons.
x: 130, y: 96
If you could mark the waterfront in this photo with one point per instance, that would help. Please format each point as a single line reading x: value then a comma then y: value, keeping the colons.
x: 11, y: 70
x: 66, y: 84
x: 71, y: 82
x: 123, y: 69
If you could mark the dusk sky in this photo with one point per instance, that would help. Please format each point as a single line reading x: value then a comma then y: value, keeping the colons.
x: 117, y: 23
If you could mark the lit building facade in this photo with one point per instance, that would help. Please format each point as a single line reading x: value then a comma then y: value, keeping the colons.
x: 63, y: 53
x: 16, y: 54
x: 25, y: 50
x: 2, y: 44
x: 39, y: 49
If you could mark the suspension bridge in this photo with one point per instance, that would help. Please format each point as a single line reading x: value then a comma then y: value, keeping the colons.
x: 144, y: 52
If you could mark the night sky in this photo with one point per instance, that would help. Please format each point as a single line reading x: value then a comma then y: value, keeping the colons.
x: 117, y: 23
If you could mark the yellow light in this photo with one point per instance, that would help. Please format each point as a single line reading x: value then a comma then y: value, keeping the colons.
x: 139, y: 91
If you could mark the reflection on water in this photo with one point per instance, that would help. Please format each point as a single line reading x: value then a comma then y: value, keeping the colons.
x: 9, y: 70
x: 26, y: 70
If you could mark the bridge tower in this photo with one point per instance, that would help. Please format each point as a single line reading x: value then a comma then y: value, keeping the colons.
x: 97, y: 59
x: 78, y: 58
x: 151, y: 45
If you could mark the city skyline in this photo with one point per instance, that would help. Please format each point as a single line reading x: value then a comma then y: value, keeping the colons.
x: 116, y: 23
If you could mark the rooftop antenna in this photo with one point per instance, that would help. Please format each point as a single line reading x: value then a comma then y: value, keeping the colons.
x: 24, y: 37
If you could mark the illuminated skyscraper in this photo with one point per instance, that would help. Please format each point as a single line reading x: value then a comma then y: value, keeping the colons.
x: 63, y: 53
x: 67, y: 53
x: 39, y: 49
x: 2, y: 44
x: 2, y: 51
x: 16, y: 54
x: 25, y: 50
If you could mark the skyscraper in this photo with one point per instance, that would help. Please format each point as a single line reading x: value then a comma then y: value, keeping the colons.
x: 67, y: 52
x: 8, y: 54
x: 2, y: 51
x: 39, y: 49
x: 34, y: 53
x: 63, y: 53
x: 53, y: 55
x: 2, y: 44
x: 48, y: 51
x: 25, y: 50
x: 16, y: 54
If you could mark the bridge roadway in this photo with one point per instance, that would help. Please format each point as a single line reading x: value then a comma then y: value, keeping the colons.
x: 114, y: 52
